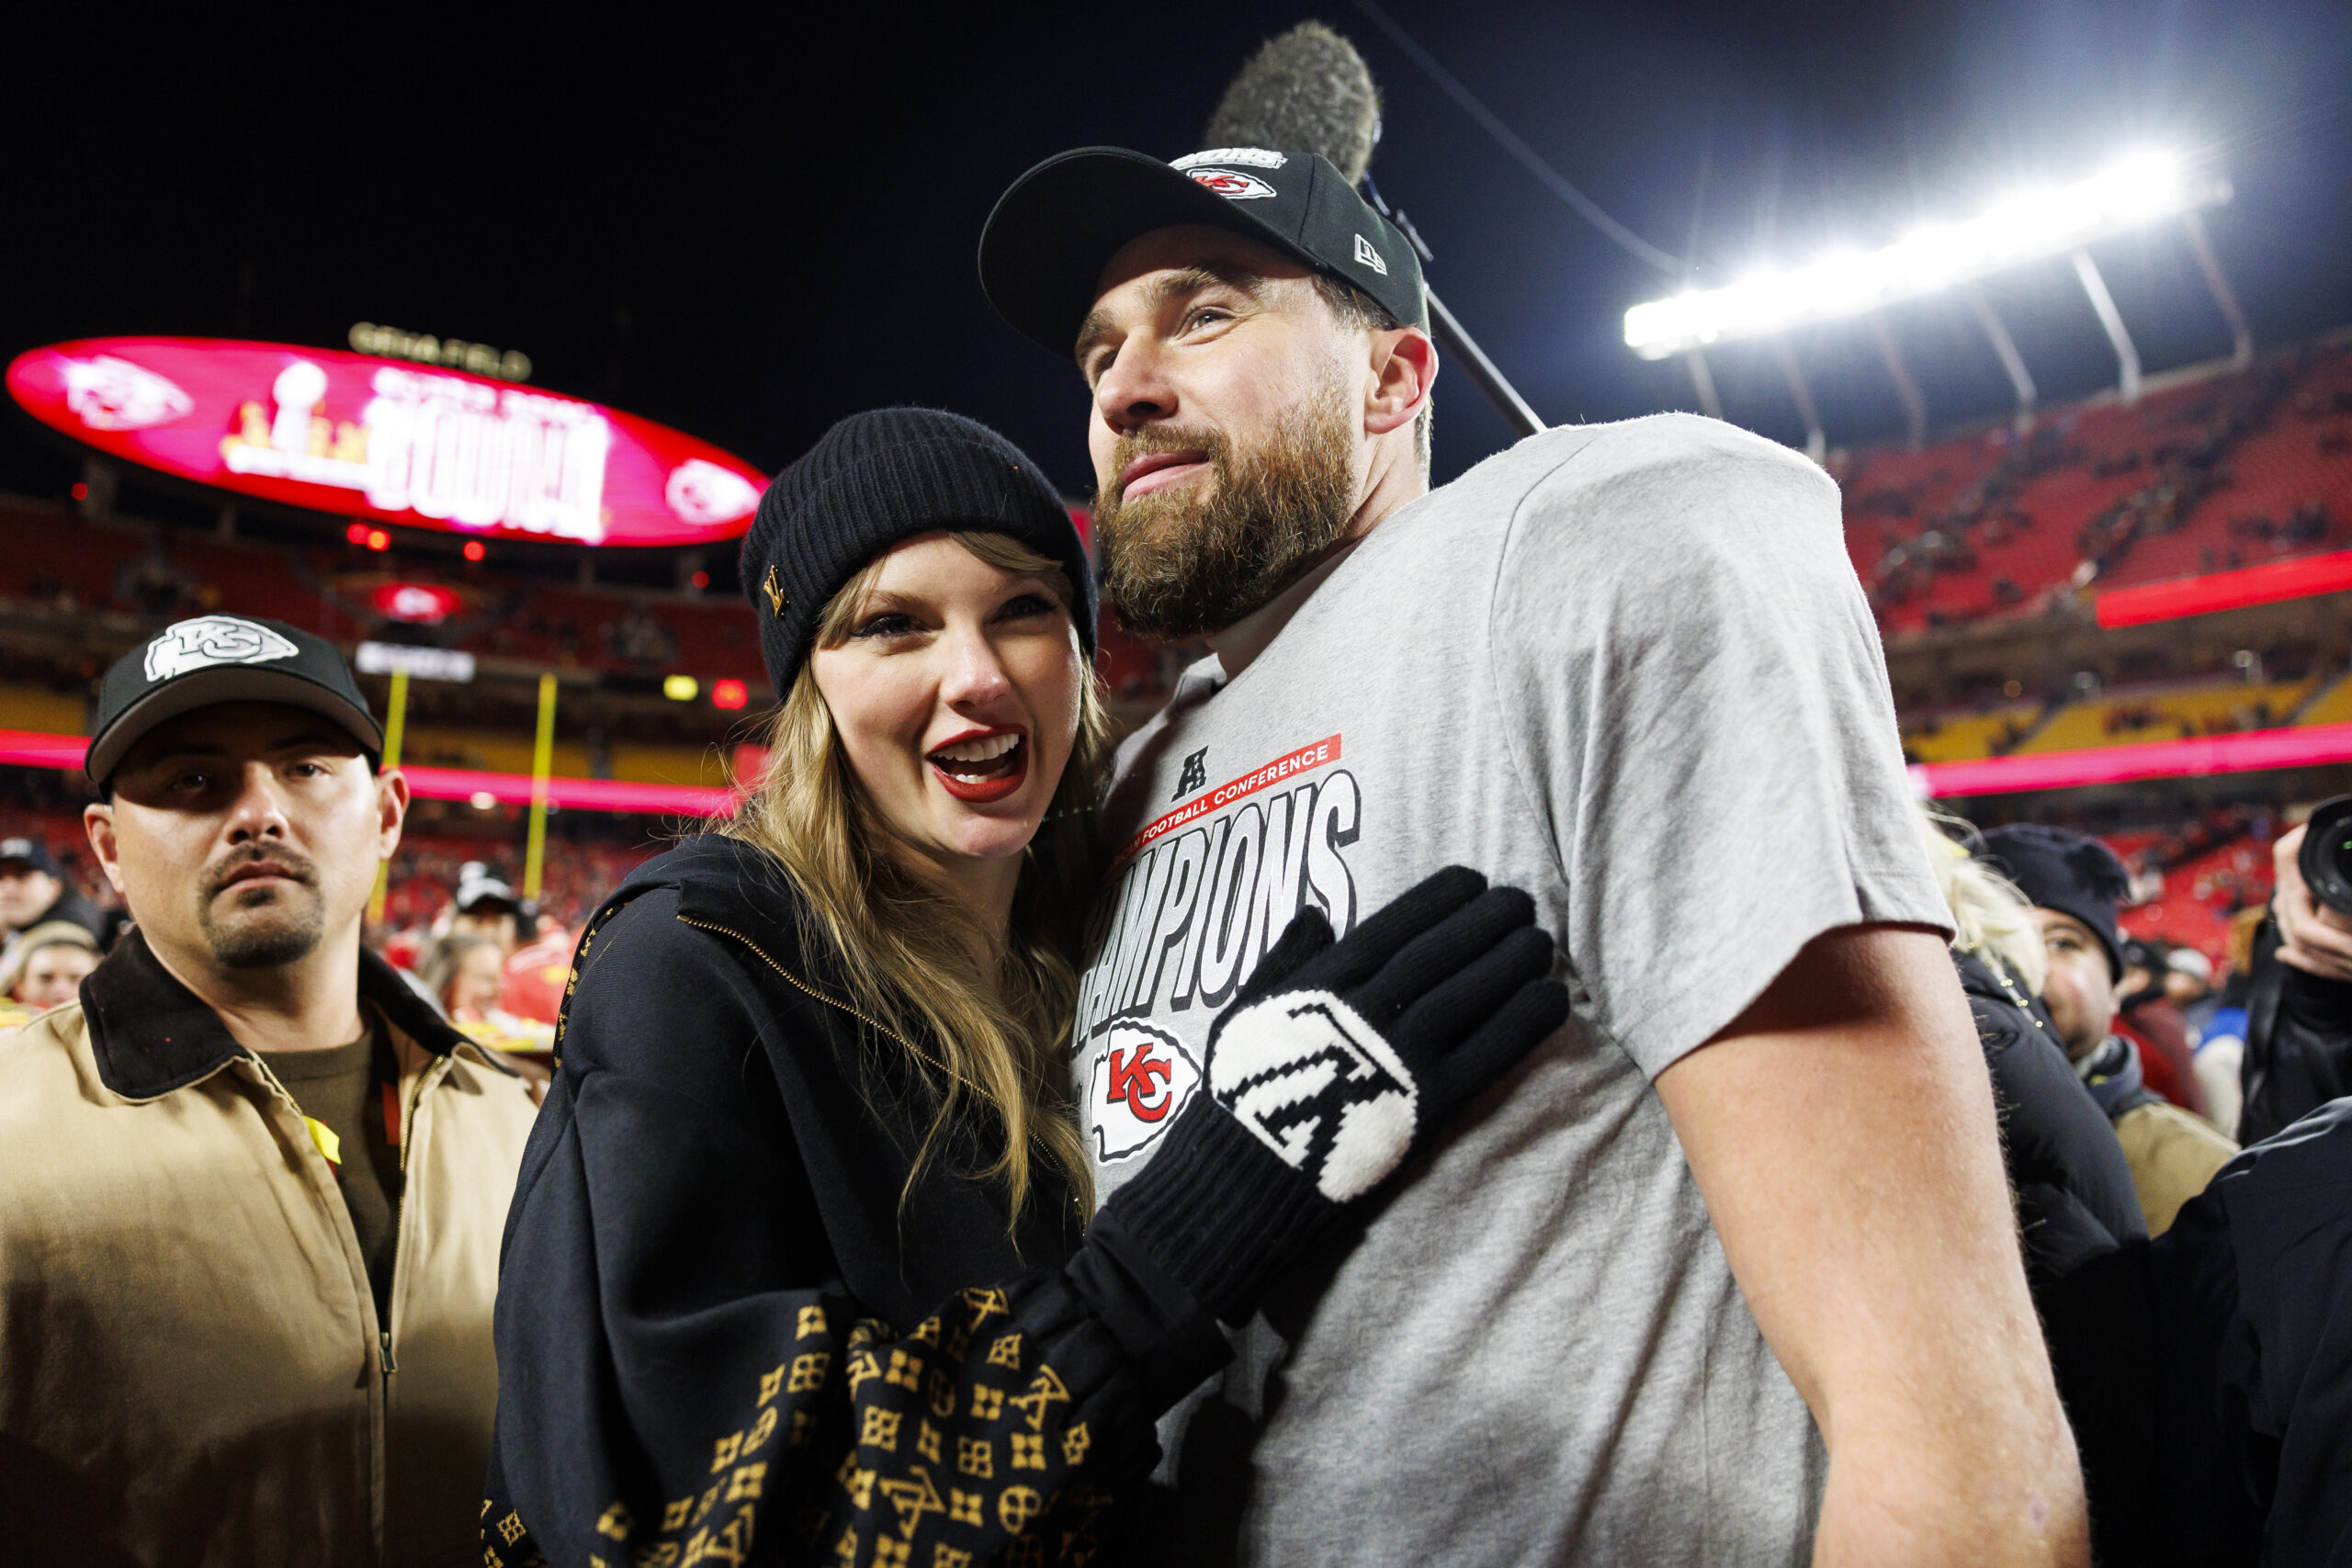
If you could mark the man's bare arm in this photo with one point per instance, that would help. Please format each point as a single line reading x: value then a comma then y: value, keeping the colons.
x: 1842, y: 1133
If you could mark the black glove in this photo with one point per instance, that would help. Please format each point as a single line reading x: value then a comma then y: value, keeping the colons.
x: 1334, y: 1062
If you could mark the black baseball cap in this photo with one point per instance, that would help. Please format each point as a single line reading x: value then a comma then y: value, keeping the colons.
x: 224, y: 658
x: 33, y: 853
x: 1053, y: 232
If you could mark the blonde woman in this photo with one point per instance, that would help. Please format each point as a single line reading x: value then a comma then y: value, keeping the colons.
x: 2078, y: 1215
x: 799, y: 1253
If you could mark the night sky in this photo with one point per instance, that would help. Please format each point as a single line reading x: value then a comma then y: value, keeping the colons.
x: 750, y: 225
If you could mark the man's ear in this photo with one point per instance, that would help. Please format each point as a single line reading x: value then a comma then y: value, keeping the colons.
x: 1404, y: 366
x: 391, y: 810
x: 97, y: 821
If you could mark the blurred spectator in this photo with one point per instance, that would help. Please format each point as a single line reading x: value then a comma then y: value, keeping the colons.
x: 2220, y: 1042
x: 2188, y: 985
x: 486, y: 907
x: 33, y: 891
x: 45, y: 965
x: 466, y: 977
x: 2298, y: 1051
x: 2150, y: 1021
x: 463, y: 972
x: 2076, y: 883
x: 536, y: 974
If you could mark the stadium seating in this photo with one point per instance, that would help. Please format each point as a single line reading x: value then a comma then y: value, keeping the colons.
x: 1963, y: 736
x: 2235, y: 470
x: 2167, y: 714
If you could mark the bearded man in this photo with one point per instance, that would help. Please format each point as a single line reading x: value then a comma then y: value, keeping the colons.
x: 1726, y: 1274
x: 251, y: 1185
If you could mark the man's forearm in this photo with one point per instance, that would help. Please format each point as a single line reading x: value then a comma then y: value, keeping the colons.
x: 1941, y: 1499
x: 1843, y: 1135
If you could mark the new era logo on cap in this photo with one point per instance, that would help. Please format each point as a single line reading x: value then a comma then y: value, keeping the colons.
x: 1370, y: 257
x: 213, y: 640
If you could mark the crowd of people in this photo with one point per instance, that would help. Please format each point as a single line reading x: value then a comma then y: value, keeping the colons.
x: 1464, y: 1082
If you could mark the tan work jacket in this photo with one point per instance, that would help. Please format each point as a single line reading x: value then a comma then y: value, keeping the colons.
x: 191, y: 1368
x: 2172, y: 1154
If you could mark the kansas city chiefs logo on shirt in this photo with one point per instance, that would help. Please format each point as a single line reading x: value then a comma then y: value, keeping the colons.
x: 1140, y: 1080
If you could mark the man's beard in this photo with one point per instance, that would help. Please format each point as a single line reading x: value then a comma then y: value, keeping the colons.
x: 286, y: 929
x: 1199, y: 556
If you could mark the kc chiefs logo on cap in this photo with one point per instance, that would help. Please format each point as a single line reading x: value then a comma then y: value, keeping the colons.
x: 213, y: 640
x: 1234, y: 185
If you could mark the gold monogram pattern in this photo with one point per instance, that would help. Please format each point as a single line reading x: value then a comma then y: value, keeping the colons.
x: 929, y: 1476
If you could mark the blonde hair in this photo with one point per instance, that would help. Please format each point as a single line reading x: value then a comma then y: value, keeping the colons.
x: 1990, y: 918
x: 993, y: 1057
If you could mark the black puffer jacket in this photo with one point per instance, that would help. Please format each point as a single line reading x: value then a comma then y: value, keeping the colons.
x: 717, y: 1321
x: 2254, y: 1299
x: 2086, y: 1246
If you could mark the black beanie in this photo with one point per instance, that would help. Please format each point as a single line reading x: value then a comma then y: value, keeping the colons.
x: 2060, y: 869
x: 873, y: 480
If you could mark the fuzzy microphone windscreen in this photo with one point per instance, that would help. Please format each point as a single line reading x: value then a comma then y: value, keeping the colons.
x: 1307, y: 88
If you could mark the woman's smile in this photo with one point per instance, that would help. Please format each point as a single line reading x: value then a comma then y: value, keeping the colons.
x: 982, y: 765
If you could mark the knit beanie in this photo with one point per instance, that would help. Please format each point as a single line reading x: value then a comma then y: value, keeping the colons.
x: 876, y: 478
x: 2060, y: 869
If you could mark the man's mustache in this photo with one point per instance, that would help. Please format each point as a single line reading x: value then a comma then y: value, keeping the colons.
x: 1207, y: 441
x: 284, y: 863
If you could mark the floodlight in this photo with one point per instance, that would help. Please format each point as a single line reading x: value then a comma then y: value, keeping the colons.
x: 2028, y: 225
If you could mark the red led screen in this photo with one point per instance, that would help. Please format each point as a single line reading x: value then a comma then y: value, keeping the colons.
x: 426, y: 603
x: 356, y: 435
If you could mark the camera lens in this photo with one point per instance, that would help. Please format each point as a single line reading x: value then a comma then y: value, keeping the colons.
x: 2326, y: 859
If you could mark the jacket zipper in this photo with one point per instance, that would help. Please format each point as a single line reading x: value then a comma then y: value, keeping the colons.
x: 799, y: 985
x: 286, y: 1098
x: 408, y: 1137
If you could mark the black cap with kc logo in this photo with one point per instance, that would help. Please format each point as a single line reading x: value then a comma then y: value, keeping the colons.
x: 1051, y: 235
x: 224, y: 658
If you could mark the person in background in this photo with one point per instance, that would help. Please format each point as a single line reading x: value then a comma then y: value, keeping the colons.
x: 2297, y: 1055
x: 2188, y: 985
x: 466, y: 979
x: 464, y: 974
x: 251, y: 1186
x: 45, y: 966
x: 536, y: 971
x: 35, y: 891
x: 2076, y: 883
x: 2253, y: 1324
x: 2220, y: 1040
x: 2079, y: 1222
x: 2147, y: 1016
x: 486, y: 906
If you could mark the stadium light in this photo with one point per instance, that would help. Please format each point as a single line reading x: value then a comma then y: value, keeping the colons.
x: 2032, y: 224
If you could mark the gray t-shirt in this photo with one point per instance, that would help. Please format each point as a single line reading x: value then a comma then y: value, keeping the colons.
x: 1627, y: 668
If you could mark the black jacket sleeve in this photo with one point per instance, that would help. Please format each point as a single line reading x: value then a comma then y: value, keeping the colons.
x: 2298, y: 1043
x: 2085, y: 1244
x: 682, y: 1375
